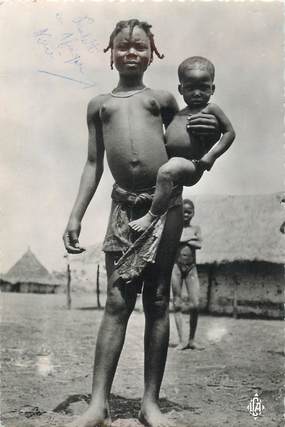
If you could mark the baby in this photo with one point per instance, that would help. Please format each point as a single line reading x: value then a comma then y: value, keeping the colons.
x: 190, y: 154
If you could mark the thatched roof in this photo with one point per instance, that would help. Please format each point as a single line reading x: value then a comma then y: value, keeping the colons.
x: 240, y: 228
x: 29, y: 269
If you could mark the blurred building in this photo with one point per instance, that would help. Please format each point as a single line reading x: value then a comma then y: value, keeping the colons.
x: 241, y: 263
x: 29, y: 275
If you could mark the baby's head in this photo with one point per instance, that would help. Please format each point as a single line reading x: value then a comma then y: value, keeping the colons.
x: 196, y: 81
x: 134, y: 35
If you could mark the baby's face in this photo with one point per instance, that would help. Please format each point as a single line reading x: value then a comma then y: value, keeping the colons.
x: 131, y: 53
x: 196, y: 87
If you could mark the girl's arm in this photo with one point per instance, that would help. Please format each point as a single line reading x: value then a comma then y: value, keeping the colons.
x: 90, y: 178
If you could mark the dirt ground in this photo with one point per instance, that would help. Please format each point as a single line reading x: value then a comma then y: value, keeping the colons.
x: 47, y: 357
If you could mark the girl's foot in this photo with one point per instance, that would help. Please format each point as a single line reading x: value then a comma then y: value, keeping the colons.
x: 93, y: 417
x: 151, y: 416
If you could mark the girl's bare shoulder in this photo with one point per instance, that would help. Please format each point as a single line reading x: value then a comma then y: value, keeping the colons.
x: 96, y: 102
x: 163, y: 97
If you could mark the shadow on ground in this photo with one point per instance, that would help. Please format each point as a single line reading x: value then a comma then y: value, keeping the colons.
x: 122, y: 408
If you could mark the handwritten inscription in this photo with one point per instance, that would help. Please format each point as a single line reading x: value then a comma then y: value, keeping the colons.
x: 69, y: 47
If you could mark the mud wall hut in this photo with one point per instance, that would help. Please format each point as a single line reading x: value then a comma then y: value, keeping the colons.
x: 241, y: 264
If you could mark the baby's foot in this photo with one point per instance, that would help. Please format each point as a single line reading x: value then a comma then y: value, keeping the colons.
x: 141, y: 224
x: 93, y: 417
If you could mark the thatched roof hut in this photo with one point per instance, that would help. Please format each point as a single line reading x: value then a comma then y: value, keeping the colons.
x: 29, y: 275
x: 240, y: 228
x: 241, y: 264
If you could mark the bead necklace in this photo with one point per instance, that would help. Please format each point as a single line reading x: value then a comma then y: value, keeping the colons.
x: 127, y: 94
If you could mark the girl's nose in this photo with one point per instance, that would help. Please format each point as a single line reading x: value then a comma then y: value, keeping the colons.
x: 131, y: 51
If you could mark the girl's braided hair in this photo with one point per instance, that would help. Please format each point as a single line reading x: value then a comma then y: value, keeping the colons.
x: 131, y: 23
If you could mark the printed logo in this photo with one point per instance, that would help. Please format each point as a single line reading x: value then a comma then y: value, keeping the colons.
x: 255, y: 406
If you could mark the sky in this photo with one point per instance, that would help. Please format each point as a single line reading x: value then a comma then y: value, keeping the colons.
x: 52, y: 63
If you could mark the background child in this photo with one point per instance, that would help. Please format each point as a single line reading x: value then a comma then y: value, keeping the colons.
x: 196, y: 153
x: 185, y: 271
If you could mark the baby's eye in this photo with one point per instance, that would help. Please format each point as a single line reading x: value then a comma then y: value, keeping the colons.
x: 204, y: 87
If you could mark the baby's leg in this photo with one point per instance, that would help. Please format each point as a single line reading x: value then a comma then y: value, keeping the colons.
x: 176, y: 171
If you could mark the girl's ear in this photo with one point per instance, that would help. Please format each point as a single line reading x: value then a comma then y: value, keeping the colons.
x: 213, y: 89
x: 180, y: 89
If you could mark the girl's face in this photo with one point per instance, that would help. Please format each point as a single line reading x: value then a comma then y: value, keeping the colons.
x: 131, y: 52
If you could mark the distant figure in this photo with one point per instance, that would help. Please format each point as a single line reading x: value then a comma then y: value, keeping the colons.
x: 282, y: 226
x: 191, y: 153
x: 128, y: 123
x: 185, y: 271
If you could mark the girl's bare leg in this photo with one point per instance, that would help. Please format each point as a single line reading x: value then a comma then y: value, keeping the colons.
x: 120, y: 303
x: 156, y: 305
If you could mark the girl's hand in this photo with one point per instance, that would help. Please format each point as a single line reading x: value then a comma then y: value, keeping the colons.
x: 70, y: 238
x: 204, y: 124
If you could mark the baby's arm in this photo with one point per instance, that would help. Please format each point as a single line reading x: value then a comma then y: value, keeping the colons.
x: 90, y: 178
x: 228, y: 136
